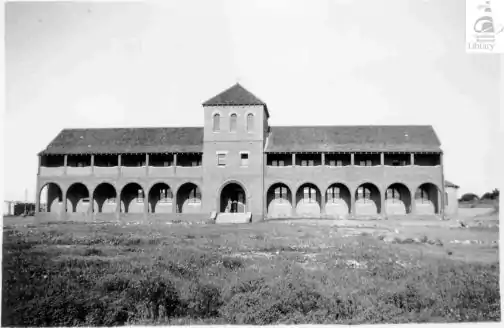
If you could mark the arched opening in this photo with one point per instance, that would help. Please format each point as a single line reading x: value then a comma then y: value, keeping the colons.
x: 216, y: 122
x: 161, y: 198
x: 104, y: 197
x: 427, y: 199
x: 308, y: 200
x: 233, y: 199
x: 77, y: 198
x: 278, y: 200
x: 50, y: 198
x: 132, y: 198
x: 398, y: 199
x: 367, y: 200
x: 338, y: 200
x: 189, y: 198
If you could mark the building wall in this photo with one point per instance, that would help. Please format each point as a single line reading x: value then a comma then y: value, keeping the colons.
x: 451, y: 202
x: 249, y: 177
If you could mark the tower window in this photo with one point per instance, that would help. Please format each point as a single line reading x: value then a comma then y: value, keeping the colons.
x: 216, y: 122
x: 244, y: 159
x: 250, y: 122
x: 232, y: 123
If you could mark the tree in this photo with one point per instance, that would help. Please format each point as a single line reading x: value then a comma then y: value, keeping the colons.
x: 469, y: 197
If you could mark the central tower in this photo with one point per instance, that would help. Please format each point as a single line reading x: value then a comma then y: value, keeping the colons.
x: 235, y: 131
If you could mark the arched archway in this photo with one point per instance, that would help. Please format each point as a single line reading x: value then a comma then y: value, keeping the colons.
x: 279, y: 200
x: 367, y: 199
x: 427, y: 199
x: 105, y: 197
x: 132, y: 198
x: 338, y: 200
x: 77, y: 198
x: 161, y: 198
x: 233, y: 199
x: 308, y: 200
x: 50, y: 198
x: 398, y: 199
x: 188, y: 198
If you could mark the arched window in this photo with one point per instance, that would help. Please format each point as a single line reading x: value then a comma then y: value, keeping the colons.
x: 232, y: 123
x: 250, y: 122
x: 216, y: 122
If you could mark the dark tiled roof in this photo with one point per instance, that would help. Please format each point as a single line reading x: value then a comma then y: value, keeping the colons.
x: 127, y: 140
x: 235, y: 96
x: 450, y: 184
x: 349, y: 138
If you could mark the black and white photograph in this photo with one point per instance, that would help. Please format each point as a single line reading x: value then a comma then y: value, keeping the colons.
x: 251, y: 162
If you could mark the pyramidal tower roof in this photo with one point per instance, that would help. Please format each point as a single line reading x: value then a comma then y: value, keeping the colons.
x: 236, y: 95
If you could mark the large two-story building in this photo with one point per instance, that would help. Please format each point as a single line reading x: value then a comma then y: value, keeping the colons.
x: 238, y: 163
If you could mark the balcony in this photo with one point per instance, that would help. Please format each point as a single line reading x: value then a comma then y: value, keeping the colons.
x: 189, y: 171
x: 162, y: 171
x: 52, y: 171
x: 78, y: 171
x: 133, y: 171
x: 106, y: 171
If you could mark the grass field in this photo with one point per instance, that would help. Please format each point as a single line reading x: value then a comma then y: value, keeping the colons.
x: 302, y: 271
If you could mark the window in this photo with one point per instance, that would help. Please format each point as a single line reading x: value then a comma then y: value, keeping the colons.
x: 274, y: 163
x: 364, y: 194
x: 195, y: 196
x: 310, y: 162
x: 216, y: 122
x: 140, y: 196
x: 244, y: 159
x: 281, y: 194
x: 333, y: 193
x: 393, y: 194
x: 369, y: 162
x: 332, y: 162
x: 165, y: 195
x: 232, y: 123
x: 422, y: 195
x: 304, y: 162
x: 362, y: 163
x: 281, y: 163
x: 309, y: 195
x: 339, y: 163
x: 221, y: 159
x: 250, y: 122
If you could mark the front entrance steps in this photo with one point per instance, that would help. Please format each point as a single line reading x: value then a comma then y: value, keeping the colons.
x: 225, y: 218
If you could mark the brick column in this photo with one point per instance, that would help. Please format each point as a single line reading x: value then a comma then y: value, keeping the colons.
x: 92, y: 164
x: 323, y: 159
x: 119, y: 164
x: 322, y: 203
x: 65, y: 164
x: 63, y: 208
x: 412, y: 159
x: 293, y: 159
x: 37, y: 198
x: 293, y: 202
x: 174, y: 201
x: 118, y: 202
x: 91, y: 202
x: 413, y: 203
x: 352, y: 160
x: 146, y: 203
x: 352, y: 200
x: 175, y: 163
x: 383, y: 211
x: 382, y: 159
x: 147, y: 164
x: 39, y: 164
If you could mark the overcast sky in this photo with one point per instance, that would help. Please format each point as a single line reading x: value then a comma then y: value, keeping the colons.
x: 313, y: 62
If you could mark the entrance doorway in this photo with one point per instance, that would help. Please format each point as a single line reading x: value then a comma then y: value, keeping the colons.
x: 232, y: 199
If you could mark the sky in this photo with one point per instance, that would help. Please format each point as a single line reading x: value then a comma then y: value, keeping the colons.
x: 383, y: 62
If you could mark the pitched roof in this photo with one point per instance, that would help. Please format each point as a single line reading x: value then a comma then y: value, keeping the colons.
x: 353, y: 138
x: 450, y: 184
x: 126, y: 140
x: 236, y: 95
